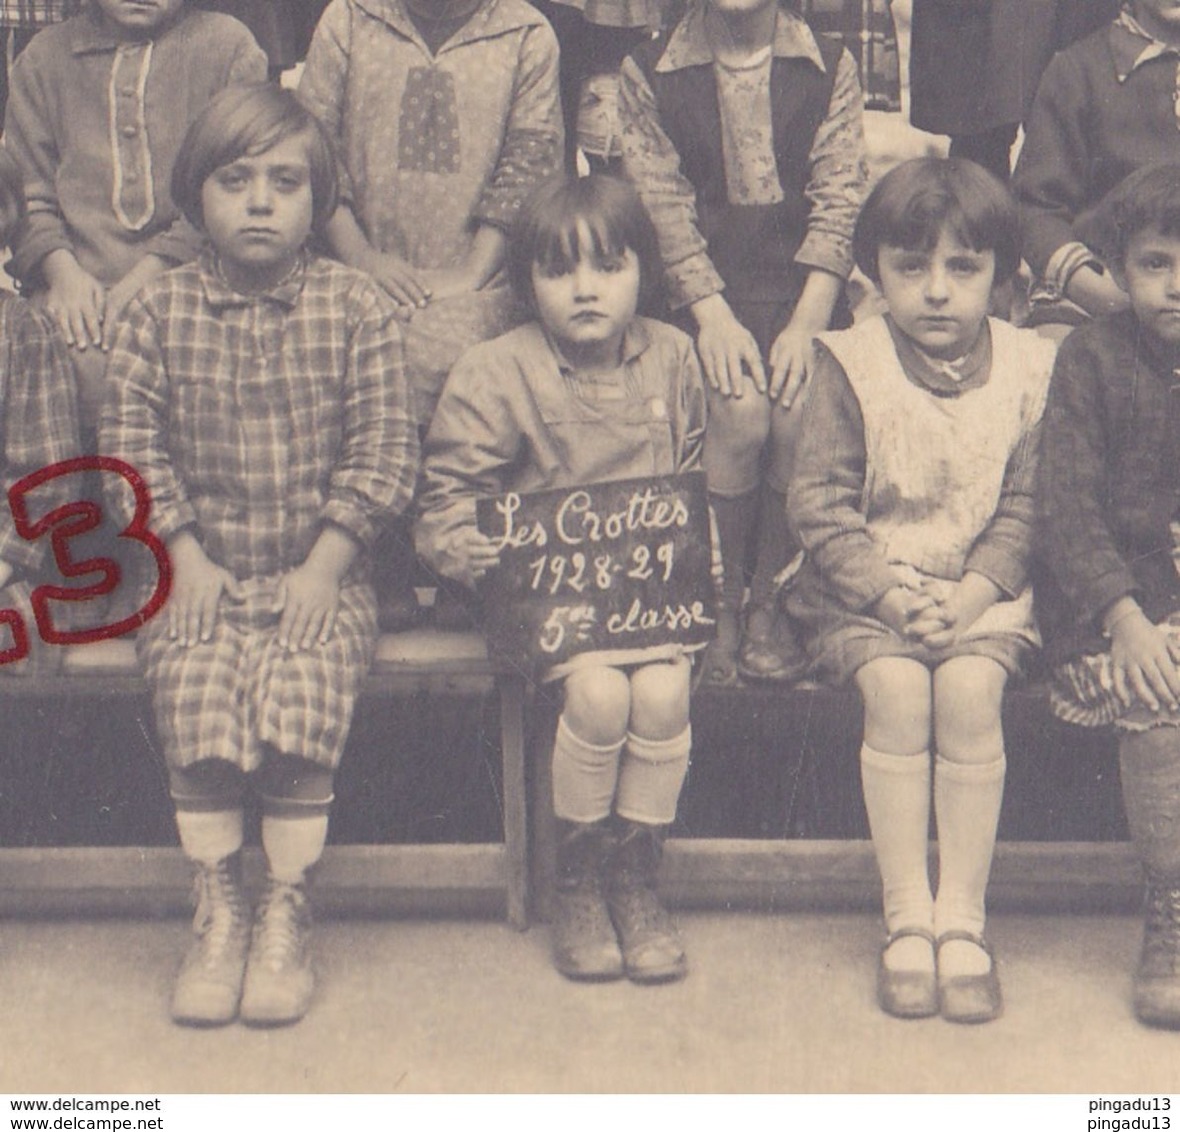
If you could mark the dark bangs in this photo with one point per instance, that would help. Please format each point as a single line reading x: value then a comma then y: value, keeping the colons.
x: 1147, y: 198
x: 545, y: 234
x: 915, y: 202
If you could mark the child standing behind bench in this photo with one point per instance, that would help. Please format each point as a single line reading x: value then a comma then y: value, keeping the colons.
x: 1110, y: 542
x: 260, y: 393
x: 96, y: 113
x: 1105, y: 107
x: 590, y: 392
x: 445, y: 114
x: 742, y: 132
x: 912, y: 496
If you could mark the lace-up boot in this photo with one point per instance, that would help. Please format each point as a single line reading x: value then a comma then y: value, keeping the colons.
x: 279, y: 978
x: 584, y: 941
x: 1157, y: 979
x: 652, y: 950
x: 209, y: 985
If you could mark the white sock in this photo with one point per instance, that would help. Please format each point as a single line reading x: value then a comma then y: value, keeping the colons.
x: 209, y: 836
x: 651, y: 776
x: 294, y: 839
x: 967, y: 799
x: 584, y: 776
x: 897, y: 798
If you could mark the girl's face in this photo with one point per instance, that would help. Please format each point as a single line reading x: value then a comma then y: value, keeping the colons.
x: 137, y: 19
x: 1151, y: 276
x: 588, y: 307
x: 938, y: 298
x: 258, y: 213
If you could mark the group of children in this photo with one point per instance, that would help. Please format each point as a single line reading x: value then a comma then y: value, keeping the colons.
x: 480, y: 326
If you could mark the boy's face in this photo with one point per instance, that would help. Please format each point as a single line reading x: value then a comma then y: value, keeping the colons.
x: 740, y: 7
x: 258, y: 213
x: 1151, y: 276
x: 1160, y: 17
x: 587, y: 308
x: 938, y: 298
x: 137, y: 19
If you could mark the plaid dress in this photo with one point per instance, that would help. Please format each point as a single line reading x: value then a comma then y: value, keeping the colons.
x: 255, y: 420
x: 32, y: 14
x: 38, y: 427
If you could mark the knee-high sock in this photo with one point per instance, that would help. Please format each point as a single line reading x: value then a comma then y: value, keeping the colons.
x: 736, y: 517
x: 208, y: 801
x: 209, y: 834
x: 1149, y: 762
x: 967, y: 799
x: 584, y: 776
x: 775, y: 545
x: 651, y: 777
x: 897, y: 798
x: 294, y: 831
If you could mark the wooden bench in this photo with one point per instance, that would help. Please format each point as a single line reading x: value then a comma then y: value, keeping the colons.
x: 771, y: 815
x: 358, y: 877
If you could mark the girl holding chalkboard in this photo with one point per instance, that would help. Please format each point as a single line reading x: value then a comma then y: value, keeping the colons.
x: 912, y: 495
x: 588, y: 392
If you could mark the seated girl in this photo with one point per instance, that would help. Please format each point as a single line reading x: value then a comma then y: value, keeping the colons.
x: 912, y: 495
x: 590, y: 391
x: 260, y: 393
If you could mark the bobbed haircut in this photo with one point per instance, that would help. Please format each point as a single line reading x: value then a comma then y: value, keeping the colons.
x: 12, y: 196
x: 1147, y: 198
x: 913, y: 203
x: 243, y: 121
x: 546, y: 233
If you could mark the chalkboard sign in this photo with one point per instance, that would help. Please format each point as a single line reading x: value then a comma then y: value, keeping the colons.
x: 617, y: 565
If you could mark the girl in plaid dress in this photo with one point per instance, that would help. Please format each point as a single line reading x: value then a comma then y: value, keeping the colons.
x: 260, y: 392
x: 38, y: 427
x: 589, y: 392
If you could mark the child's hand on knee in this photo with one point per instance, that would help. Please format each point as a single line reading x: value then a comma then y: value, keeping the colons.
x: 1144, y: 661
x: 727, y: 349
x: 75, y: 299
x: 790, y: 361
x: 197, y: 588
x: 310, y: 599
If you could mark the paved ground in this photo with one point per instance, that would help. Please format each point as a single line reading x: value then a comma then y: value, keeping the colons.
x: 773, y: 1003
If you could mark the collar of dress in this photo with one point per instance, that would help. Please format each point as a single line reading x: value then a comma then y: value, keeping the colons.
x: 688, y: 43
x: 490, y: 19
x: 221, y: 295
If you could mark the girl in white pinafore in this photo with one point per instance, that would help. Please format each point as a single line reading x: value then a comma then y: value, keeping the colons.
x: 912, y: 496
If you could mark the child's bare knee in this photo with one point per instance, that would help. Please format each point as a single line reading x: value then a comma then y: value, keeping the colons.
x: 597, y: 704
x: 784, y: 439
x: 660, y: 699
x: 739, y: 424
x: 968, y: 697
x: 897, y: 705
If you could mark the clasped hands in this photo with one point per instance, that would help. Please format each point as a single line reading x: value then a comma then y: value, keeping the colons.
x: 917, y: 614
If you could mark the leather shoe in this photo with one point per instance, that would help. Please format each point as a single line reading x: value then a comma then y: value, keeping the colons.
x: 907, y: 994
x: 970, y: 998
x: 769, y: 651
